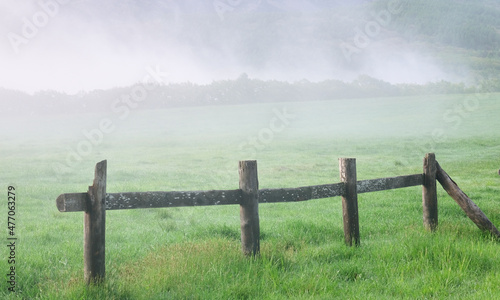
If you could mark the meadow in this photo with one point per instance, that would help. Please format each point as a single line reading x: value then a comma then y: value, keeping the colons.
x: 195, y: 252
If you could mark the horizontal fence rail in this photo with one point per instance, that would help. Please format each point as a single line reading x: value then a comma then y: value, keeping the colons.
x: 389, y: 183
x: 72, y: 202
x: 301, y: 193
x: 96, y: 202
x: 133, y: 200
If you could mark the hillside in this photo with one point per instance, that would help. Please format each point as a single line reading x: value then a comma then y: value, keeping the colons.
x: 462, y: 34
x: 450, y: 40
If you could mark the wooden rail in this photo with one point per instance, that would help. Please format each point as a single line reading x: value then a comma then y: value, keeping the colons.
x: 96, y: 201
x: 72, y: 202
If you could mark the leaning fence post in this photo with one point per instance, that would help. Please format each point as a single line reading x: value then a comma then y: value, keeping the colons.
x: 429, y: 193
x: 470, y: 208
x: 249, y: 207
x: 347, y: 168
x: 95, y: 227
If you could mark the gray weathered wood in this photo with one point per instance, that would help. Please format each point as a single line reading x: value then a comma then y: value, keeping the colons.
x: 71, y: 202
x: 468, y: 206
x: 95, y: 228
x: 171, y: 199
x: 76, y: 201
x: 347, y: 168
x: 429, y: 193
x: 249, y: 207
x: 301, y: 193
x: 389, y: 183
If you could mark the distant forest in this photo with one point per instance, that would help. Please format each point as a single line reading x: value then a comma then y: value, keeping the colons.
x: 467, y: 24
x: 226, y: 92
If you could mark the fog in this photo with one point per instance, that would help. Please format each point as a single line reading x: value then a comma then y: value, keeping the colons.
x: 72, y: 46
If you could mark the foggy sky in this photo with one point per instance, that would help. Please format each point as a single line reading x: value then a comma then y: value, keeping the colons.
x: 76, y: 45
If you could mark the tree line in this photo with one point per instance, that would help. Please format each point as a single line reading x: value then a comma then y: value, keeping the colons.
x: 225, y: 92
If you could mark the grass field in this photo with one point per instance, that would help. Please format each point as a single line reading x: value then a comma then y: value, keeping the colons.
x: 195, y: 253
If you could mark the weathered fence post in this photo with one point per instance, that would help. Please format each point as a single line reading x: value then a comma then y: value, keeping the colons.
x: 95, y: 227
x: 347, y: 168
x: 429, y: 193
x: 249, y: 207
x: 468, y: 206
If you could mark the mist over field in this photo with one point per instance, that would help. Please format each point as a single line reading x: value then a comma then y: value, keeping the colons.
x: 73, y: 46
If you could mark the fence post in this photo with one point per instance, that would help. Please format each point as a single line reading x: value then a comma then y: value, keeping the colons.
x: 95, y: 227
x: 429, y: 193
x: 249, y: 207
x: 347, y: 168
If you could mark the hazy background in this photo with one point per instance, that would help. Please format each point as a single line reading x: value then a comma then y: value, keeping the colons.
x: 87, y: 44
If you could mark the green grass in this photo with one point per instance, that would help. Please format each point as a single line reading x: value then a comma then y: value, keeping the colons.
x: 195, y: 252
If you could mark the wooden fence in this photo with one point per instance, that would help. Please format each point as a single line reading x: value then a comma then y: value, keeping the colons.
x: 96, y: 201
